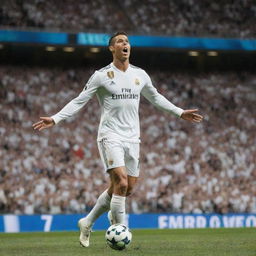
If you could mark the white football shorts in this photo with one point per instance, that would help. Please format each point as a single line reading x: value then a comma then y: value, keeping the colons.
x: 120, y: 153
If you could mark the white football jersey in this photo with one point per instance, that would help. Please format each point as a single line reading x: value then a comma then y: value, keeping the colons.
x: 118, y: 93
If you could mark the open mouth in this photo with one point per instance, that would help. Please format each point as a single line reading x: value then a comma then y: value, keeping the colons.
x: 125, y: 50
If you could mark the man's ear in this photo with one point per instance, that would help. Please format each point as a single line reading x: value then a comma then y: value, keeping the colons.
x: 111, y: 48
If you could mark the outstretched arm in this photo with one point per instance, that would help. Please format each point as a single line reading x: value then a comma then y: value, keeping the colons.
x: 151, y: 93
x: 158, y: 100
x: 72, y: 107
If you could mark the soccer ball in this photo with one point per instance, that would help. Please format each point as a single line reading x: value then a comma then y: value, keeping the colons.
x: 118, y: 236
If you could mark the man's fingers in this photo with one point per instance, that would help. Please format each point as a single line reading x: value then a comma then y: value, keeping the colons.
x: 37, y: 123
x: 41, y: 128
x: 197, y: 120
x: 192, y: 110
x: 198, y: 117
x: 38, y: 126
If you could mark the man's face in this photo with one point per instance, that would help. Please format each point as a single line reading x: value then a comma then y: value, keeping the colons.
x: 121, y: 47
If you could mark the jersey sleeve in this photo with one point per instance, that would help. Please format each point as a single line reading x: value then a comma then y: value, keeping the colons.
x: 77, y: 103
x: 158, y: 100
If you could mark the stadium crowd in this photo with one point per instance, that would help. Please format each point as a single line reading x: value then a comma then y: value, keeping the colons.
x: 234, y: 18
x: 190, y: 168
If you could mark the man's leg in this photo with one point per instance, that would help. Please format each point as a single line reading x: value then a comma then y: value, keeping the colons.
x: 119, y: 180
x: 122, y: 185
x: 131, y: 183
x: 102, y: 205
x: 118, y: 185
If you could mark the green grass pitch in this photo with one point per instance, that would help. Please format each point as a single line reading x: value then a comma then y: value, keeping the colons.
x: 183, y: 242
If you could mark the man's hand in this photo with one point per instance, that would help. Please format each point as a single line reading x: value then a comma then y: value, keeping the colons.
x: 46, y: 122
x: 190, y: 115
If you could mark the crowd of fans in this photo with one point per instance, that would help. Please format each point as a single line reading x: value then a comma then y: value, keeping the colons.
x: 185, y: 167
x: 234, y: 18
x: 194, y: 18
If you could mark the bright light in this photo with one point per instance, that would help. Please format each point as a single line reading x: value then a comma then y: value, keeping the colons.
x: 68, y: 49
x: 50, y: 48
x: 193, y: 53
x: 212, y: 53
x: 94, y: 49
x: 1, y: 46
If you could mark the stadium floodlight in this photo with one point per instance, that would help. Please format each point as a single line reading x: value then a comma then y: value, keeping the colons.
x: 68, y: 49
x: 94, y: 49
x: 50, y: 48
x: 193, y: 53
x: 212, y: 53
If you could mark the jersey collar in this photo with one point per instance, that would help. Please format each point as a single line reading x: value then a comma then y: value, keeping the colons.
x: 115, y: 68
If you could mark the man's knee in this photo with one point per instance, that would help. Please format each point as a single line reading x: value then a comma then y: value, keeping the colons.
x: 120, y: 183
x: 122, y: 186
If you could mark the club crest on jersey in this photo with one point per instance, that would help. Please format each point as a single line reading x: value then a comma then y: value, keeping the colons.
x: 111, y: 74
x: 137, y: 81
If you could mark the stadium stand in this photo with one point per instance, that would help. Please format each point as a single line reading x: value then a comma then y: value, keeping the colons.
x: 235, y: 18
x: 186, y: 168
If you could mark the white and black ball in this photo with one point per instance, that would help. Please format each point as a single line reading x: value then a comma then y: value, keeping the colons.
x: 118, y: 236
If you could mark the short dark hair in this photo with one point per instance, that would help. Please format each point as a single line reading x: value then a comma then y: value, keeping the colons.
x: 110, y: 42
